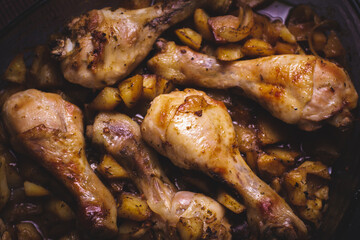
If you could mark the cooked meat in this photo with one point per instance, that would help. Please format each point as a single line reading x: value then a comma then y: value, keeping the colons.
x: 196, y: 132
x: 104, y: 46
x: 298, y: 89
x: 121, y: 137
x: 50, y: 129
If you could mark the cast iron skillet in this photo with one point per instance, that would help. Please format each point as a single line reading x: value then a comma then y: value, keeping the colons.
x: 341, y: 221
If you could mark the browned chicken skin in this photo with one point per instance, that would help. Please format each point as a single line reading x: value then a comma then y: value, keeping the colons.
x: 121, y: 137
x: 196, y: 132
x: 298, y: 89
x: 104, y: 46
x: 51, y: 130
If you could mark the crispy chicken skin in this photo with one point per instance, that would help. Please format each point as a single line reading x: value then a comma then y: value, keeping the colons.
x: 298, y: 89
x: 121, y: 137
x: 104, y: 46
x: 196, y: 132
x: 51, y: 130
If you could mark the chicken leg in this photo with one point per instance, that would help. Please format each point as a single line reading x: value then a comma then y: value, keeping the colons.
x: 196, y: 132
x: 51, y: 130
x: 298, y: 89
x: 121, y: 137
x: 104, y: 46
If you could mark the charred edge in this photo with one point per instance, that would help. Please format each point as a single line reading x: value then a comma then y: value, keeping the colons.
x: 172, y: 9
x: 99, y: 41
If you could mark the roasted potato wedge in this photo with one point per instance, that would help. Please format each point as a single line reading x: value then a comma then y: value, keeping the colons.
x: 35, y: 190
x: 296, y: 181
x: 131, y: 90
x: 257, y: 48
x: 201, y: 19
x: 111, y: 169
x: 190, y: 228
x: 230, y: 202
x: 312, y: 211
x: 285, y: 48
x: 107, y: 100
x: 60, y: 209
x: 270, y: 166
x: 133, y: 207
x: 154, y: 85
x: 189, y: 37
x: 16, y: 71
x: 163, y: 86
x: 285, y: 34
x: 229, y: 52
x: 149, y: 86
x: 286, y: 156
x: 221, y: 23
x: 246, y: 137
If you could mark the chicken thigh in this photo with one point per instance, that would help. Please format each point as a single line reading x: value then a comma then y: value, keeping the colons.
x: 196, y: 132
x: 298, y: 89
x: 121, y: 137
x: 104, y: 46
x: 51, y: 130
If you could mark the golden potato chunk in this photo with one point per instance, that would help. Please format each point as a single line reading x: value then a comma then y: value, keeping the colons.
x: 190, y: 228
x: 285, y: 48
x: 154, y: 85
x: 133, y: 207
x: 107, y: 100
x: 201, y: 23
x: 229, y: 52
x: 312, y: 211
x: 16, y: 71
x: 131, y: 90
x: 230, y: 203
x: 296, y: 181
x: 35, y: 190
x: 222, y: 23
x: 286, y: 156
x: 257, y: 48
x: 110, y: 168
x: 163, y: 86
x: 149, y: 86
x: 286, y: 35
x: 189, y: 37
x: 246, y: 138
x: 60, y: 209
x: 270, y: 166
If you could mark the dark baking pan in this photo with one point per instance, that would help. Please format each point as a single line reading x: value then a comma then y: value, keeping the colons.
x: 342, y: 220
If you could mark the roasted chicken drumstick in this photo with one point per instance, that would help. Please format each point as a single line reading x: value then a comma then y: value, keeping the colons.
x: 121, y: 137
x: 196, y: 132
x: 298, y: 89
x: 104, y: 46
x: 51, y: 130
